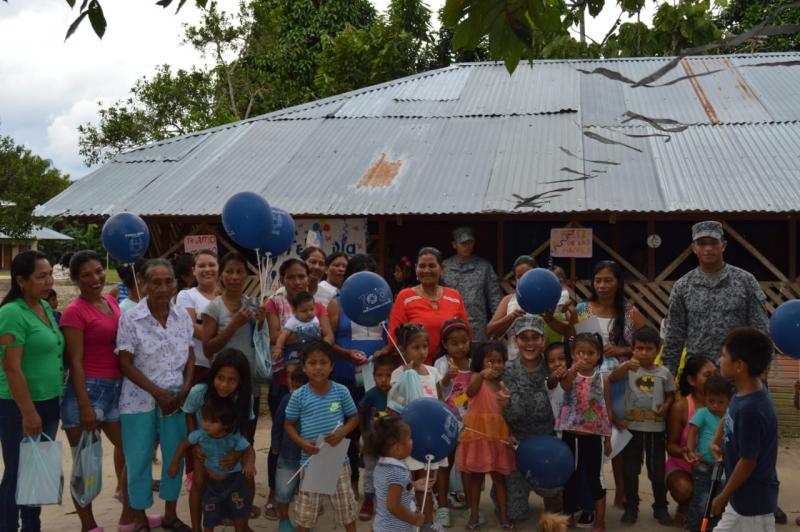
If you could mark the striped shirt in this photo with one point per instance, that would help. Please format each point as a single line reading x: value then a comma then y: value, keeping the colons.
x: 390, y: 471
x: 319, y: 415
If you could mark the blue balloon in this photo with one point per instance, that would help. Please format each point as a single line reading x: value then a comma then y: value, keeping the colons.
x: 434, y: 429
x: 126, y: 237
x: 784, y: 326
x: 366, y: 298
x: 538, y: 290
x: 280, y: 239
x: 247, y: 218
x: 545, y: 461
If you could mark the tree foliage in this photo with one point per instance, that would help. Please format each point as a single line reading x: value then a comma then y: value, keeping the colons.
x: 26, y: 180
x: 741, y: 15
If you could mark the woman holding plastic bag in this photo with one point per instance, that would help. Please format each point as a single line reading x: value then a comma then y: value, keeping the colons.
x: 154, y: 344
x: 31, y: 351
x: 91, y: 395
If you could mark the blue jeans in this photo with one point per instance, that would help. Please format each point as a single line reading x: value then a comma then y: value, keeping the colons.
x: 701, y: 476
x: 10, y: 437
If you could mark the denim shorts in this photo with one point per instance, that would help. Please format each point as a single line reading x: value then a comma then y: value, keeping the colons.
x: 226, y: 498
x: 285, y: 490
x: 103, y: 396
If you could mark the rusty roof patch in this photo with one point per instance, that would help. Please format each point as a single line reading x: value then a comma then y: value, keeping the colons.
x: 381, y: 174
x: 708, y: 107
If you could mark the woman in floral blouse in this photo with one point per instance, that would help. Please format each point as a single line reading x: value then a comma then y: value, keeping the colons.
x: 154, y: 344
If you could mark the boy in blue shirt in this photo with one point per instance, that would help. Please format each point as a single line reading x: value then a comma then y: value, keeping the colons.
x: 747, y: 438
x: 225, y: 495
x: 702, y: 428
x: 322, y: 408
x: 372, y: 407
x: 288, y: 455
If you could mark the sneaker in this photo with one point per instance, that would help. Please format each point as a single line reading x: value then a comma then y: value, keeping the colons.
x: 285, y: 526
x: 780, y: 517
x: 662, y: 516
x: 630, y: 516
x: 367, y: 509
x: 585, y: 520
x: 456, y: 501
x: 442, y: 517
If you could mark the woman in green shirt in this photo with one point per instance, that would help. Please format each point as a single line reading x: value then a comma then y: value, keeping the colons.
x: 31, y: 375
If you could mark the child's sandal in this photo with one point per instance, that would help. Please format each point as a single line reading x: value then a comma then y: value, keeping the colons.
x: 474, y: 526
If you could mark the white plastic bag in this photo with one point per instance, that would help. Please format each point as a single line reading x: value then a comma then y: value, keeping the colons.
x: 39, y: 477
x: 87, y: 468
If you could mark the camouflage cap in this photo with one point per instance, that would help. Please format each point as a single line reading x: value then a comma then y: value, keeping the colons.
x: 528, y: 322
x: 463, y: 234
x: 709, y: 229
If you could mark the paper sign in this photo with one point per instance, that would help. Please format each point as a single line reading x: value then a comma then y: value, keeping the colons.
x: 658, y: 394
x: 619, y: 439
x: 590, y: 325
x: 571, y: 242
x: 194, y: 243
x: 325, y: 467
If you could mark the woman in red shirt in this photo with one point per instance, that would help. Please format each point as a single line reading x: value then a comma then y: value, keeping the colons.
x: 429, y: 303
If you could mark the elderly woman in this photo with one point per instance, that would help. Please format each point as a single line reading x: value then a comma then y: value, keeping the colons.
x: 31, y: 350
x: 154, y: 344
x: 428, y: 303
x: 91, y: 396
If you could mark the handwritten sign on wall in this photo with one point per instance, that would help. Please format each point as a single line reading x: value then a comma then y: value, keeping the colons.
x: 194, y: 243
x: 571, y: 242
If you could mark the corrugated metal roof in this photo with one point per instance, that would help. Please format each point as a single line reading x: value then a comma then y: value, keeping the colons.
x: 38, y: 233
x: 470, y: 138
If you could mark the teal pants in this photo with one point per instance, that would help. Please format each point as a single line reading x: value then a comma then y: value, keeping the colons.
x: 140, y: 432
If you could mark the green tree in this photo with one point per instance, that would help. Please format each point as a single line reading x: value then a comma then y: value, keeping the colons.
x: 26, y: 180
x: 740, y: 15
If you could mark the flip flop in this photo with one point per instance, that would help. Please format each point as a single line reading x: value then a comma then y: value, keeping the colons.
x: 177, y: 525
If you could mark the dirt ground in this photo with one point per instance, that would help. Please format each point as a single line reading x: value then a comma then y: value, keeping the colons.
x: 106, y: 508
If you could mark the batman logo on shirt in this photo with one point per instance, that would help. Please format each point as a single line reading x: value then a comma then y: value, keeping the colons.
x: 646, y: 383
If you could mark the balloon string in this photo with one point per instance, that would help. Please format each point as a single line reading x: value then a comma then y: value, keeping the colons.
x: 260, y: 278
x: 429, y: 458
x: 488, y: 436
x: 135, y: 281
x: 405, y: 362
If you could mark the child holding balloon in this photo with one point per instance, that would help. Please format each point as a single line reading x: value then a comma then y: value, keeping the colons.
x: 454, y: 366
x: 486, y: 443
x: 585, y: 421
x: 389, y: 441
x: 412, y: 341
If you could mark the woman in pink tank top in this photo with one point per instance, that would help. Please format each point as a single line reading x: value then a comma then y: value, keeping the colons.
x: 678, y: 471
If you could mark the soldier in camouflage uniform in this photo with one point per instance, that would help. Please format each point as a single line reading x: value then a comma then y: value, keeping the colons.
x: 475, y: 280
x: 709, y: 301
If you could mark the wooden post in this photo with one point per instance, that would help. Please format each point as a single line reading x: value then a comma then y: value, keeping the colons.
x: 382, y: 247
x: 793, y: 247
x: 573, y: 275
x: 651, y: 251
x: 501, y: 247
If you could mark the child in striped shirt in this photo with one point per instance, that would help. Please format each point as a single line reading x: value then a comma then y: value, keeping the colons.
x: 322, y: 408
x: 389, y: 442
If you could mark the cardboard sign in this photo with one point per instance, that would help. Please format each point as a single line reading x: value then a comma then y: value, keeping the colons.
x: 194, y: 243
x: 571, y: 242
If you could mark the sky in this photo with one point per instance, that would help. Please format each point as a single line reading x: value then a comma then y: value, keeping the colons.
x: 48, y: 87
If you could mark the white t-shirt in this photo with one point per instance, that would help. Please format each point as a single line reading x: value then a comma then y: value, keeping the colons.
x: 325, y: 293
x: 192, y: 298
x: 429, y: 381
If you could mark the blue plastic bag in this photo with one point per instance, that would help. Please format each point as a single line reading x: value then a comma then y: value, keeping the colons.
x: 39, y: 477
x: 407, y: 388
x: 87, y: 468
x: 263, y: 355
